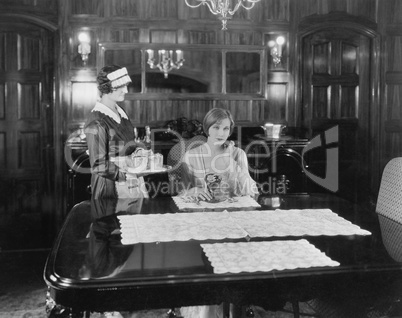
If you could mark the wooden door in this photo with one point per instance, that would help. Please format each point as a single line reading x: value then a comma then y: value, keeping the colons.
x: 336, y: 92
x: 26, y: 143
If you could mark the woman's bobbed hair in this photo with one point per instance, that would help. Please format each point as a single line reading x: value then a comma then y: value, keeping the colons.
x: 217, y: 115
x: 104, y: 84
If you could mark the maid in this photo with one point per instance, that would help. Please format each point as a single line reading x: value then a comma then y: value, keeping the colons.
x: 110, y: 133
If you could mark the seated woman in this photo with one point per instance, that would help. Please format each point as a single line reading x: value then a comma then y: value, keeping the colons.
x: 214, y: 171
x: 217, y: 169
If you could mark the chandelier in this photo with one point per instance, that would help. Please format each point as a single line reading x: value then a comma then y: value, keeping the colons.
x: 166, y: 61
x: 223, y: 7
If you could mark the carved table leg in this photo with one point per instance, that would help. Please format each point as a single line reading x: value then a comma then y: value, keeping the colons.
x: 54, y: 310
x: 172, y: 314
x: 249, y: 312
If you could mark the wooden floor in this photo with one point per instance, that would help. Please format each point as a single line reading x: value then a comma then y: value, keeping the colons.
x: 22, y: 288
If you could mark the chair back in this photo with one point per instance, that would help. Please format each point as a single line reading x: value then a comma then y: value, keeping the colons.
x: 391, y: 232
x: 175, y: 159
x: 389, y: 202
x: 79, y: 180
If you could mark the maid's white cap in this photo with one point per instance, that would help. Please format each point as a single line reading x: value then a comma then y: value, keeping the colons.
x: 119, y: 78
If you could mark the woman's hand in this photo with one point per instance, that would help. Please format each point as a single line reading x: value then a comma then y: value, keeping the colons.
x: 200, y: 193
x: 132, y: 180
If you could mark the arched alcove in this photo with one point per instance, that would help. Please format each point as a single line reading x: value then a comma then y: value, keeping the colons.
x: 337, y: 81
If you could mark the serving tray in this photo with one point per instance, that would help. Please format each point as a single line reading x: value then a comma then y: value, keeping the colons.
x: 140, y: 171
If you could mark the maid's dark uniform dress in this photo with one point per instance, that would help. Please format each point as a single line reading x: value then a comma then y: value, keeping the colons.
x: 111, y: 135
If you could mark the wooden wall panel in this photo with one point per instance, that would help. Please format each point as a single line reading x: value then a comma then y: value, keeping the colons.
x: 306, y: 8
x: 11, y: 42
x: 349, y: 102
x: 198, y: 108
x: 135, y: 112
x: 243, y: 15
x: 276, y: 107
x: 241, y: 110
x: 159, y: 110
x: 163, y: 36
x: 349, y: 59
x: 45, y: 9
x: 125, y: 35
x: 131, y: 59
x: 392, y: 147
x: 242, y: 37
x: 30, y: 148
x: 29, y: 53
x: 29, y: 101
x: 200, y: 13
x: 162, y: 111
x: 28, y: 200
x: 394, y: 106
x: 200, y: 37
x: 2, y: 101
x: 2, y: 51
x: 363, y: 8
x: 333, y: 5
x: 49, y: 4
x: 123, y: 8
x: 155, y: 9
x: 87, y: 7
x: 3, y: 150
x: 157, y: 113
x: 258, y: 114
x: 184, y: 109
x: 320, y: 107
x: 176, y: 109
x: 275, y: 10
x: 83, y: 99
x: 394, y: 49
x: 366, y: 8
x: 321, y: 64
x: 394, y: 11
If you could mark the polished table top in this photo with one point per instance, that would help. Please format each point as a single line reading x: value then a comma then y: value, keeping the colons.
x: 90, y: 269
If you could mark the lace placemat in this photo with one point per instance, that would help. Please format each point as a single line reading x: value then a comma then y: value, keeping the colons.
x: 220, y: 225
x: 264, y: 256
x: 312, y: 222
x: 187, y: 204
x: 178, y: 227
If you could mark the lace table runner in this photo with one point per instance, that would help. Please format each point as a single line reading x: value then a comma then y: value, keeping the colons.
x: 178, y: 227
x: 312, y: 222
x: 186, y: 204
x: 264, y: 256
x: 220, y: 225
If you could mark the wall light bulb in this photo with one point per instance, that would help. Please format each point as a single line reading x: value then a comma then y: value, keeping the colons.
x: 83, y: 37
x: 280, y: 40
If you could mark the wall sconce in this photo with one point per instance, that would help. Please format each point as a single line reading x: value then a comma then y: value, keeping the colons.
x: 84, y: 48
x: 276, y: 49
x: 166, y: 61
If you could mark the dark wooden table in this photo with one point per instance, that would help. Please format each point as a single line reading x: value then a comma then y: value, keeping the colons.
x: 89, y: 269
